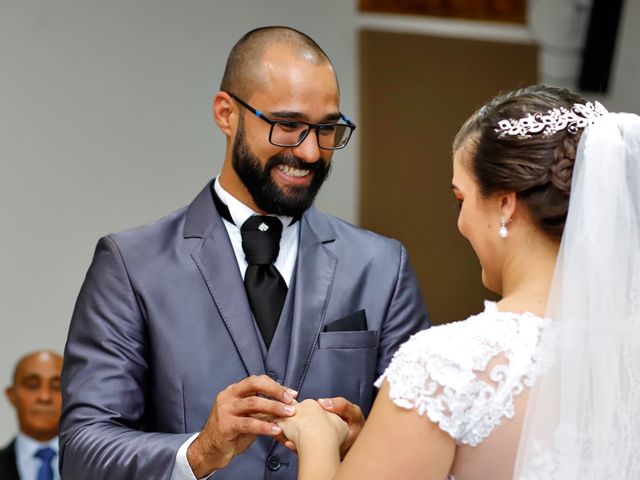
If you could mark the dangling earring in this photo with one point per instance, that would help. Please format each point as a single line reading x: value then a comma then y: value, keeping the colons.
x: 503, y: 232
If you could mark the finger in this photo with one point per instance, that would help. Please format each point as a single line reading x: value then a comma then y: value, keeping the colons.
x: 263, y: 385
x: 342, y: 407
x: 282, y: 439
x: 253, y: 426
x: 265, y: 417
x: 269, y: 418
x: 261, y: 406
x: 327, y: 403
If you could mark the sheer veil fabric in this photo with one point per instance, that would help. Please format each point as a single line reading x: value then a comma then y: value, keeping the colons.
x: 583, y: 416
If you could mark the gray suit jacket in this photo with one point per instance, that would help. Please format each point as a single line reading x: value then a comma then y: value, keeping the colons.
x: 162, y: 325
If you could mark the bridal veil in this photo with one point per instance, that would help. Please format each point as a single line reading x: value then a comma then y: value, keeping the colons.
x: 583, y: 417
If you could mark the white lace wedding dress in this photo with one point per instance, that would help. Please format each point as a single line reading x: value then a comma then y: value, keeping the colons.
x: 471, y: 378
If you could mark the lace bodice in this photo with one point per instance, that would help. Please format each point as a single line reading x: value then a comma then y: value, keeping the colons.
x: 464, y: 375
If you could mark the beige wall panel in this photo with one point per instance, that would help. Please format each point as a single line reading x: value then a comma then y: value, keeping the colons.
x: 415, y: 92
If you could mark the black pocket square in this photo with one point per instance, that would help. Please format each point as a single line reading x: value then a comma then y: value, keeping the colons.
x: 351, y: 323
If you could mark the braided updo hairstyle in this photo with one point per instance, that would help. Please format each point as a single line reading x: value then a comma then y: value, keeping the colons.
x: 538, y: 168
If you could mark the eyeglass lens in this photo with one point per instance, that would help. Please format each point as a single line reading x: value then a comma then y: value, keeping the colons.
x: 288, y: 134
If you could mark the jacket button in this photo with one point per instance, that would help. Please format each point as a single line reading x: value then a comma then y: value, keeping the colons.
x: 272, y: 376
x: 273, y: 462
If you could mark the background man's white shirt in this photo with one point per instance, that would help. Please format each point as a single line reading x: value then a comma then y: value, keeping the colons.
x: 29, y: 465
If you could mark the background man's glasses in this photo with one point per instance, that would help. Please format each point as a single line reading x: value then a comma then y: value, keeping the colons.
x: 287, y: 133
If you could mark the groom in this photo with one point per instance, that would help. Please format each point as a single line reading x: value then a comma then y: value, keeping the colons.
x: 188, y: 330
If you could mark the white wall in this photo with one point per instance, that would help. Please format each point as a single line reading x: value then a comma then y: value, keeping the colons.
x: 105, y: 123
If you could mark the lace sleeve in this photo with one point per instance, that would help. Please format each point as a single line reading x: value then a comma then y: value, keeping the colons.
x: 424, y: 378
x: 463, y: 376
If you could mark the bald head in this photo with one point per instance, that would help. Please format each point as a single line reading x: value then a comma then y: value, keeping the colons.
x: 48, y: 356
x: 245, y: 70
x: 35, y: 394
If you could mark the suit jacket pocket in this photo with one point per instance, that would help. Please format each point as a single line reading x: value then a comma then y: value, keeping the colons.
x: 355, y: 322
x: 357, y: 339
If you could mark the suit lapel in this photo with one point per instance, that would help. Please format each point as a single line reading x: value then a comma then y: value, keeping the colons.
x: 315, y: 271
x: 218, y: 266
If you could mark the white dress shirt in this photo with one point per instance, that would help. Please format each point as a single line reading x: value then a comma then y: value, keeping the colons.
x: 240, y: 213
x: 285, y: 264
x: 29, y: 465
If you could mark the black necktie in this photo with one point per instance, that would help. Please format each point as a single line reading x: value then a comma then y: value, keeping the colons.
x: 265, y: 286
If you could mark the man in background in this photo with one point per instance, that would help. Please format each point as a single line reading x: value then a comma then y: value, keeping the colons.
x: 35, y: 394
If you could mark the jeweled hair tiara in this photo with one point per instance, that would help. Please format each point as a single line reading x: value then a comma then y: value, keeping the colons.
x: 553, y: 121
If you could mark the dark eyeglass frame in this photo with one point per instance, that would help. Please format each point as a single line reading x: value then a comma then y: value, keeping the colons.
x: 317, y: 126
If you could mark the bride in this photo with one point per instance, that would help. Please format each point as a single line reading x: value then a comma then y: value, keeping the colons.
x: 545, y: 383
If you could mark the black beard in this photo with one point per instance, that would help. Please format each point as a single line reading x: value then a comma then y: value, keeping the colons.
x: 267, y: 195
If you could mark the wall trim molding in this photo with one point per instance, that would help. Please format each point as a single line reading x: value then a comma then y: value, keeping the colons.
x: 442, y: 27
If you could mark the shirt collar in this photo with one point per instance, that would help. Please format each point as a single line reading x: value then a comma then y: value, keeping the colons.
x: 238, y: 210
x: 29, y: 446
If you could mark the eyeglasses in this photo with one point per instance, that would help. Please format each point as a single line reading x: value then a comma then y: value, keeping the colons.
x: 287, y: 133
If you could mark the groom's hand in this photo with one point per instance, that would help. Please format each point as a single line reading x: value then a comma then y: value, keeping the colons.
x: 350, y: 413
x: 239, y: 414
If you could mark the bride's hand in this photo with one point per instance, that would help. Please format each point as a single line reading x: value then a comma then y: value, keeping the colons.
x: 312, y: 424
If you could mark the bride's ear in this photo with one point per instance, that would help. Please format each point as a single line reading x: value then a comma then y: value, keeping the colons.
x: 508, y: 206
